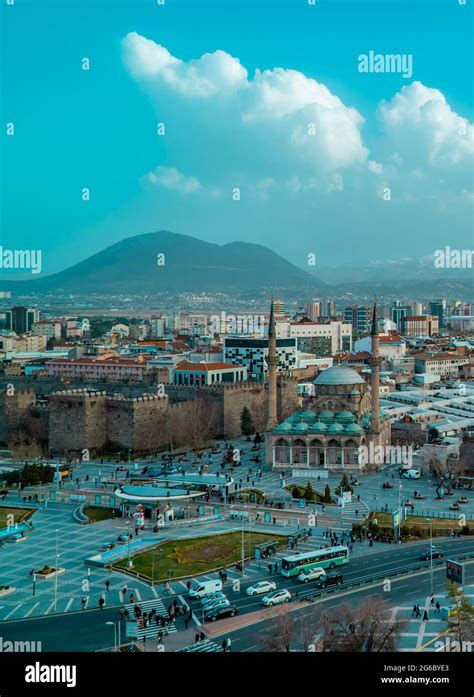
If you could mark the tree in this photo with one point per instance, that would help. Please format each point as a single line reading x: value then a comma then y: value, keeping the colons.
x: 289, y: 632
x: 368, y: 628
x: 344, y: 485
x: 246, y: 423
x: 327, y: 494
x: 463, y: 618
x: 309, y: 494
x: 296, y: 492
x: 34, y: 474
x: 24, y: 447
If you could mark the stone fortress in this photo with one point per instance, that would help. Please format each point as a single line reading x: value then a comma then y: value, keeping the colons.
x: 100, y: 420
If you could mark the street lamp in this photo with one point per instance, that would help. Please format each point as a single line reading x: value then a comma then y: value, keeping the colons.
x: 130, y: 562
x: 115, y: 634
x: 56, y: 572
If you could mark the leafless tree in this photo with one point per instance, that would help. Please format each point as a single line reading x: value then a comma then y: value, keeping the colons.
x: 370, y: 627
x: 24, y: 447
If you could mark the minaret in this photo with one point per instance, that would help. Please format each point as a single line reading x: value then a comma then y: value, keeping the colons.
x: 375, y: 362
x: 272, y: 362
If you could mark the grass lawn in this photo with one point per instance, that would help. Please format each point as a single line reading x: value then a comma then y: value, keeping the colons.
x: 98, y: 513
x: 19, y: 514
x: 192, y: 557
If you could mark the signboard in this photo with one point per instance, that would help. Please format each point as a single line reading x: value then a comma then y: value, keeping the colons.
x: 340, y: 502
x: 455, y: 571
x: 347, y: 496
x: 396, y: 518
x: 302, y: 503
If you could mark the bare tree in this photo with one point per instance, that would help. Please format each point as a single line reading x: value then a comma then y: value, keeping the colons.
x: 370, y: 627
x: 289, y: 632
x: 24, y: 447
x: 193, y: 425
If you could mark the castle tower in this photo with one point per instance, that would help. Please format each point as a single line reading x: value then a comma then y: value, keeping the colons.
x: 375, y: 362
x: 272, y: 362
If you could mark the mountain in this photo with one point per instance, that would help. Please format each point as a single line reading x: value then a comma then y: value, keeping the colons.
x: 133, y: 266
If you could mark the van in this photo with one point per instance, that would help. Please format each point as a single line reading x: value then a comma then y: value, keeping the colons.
x: 199, y: 589
x: 412, y: 474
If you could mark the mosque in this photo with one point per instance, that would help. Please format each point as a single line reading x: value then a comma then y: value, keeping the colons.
x: 341, y: 415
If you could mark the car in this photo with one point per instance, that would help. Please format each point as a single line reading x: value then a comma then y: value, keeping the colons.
x: 277, y: 597
x: 216, y: 605
x: 311, y: 575
x: 219, y: 612
x: 431, y: 554
x: 261, y: 587
x: 210, y: 598
x: 171, y: 469
x: 220, y: 599
x: 329, y: 580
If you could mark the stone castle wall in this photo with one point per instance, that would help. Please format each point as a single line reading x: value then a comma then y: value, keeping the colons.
x: 15, y: 406
x: 79, y: 418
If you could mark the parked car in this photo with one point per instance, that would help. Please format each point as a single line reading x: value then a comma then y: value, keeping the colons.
x: 277, y: 597
x: 220, y: 612
x: 261, y: 587
x: 334, y: 579
x: 171, y: 469
x: 311, y: 575
x: 431, y: 554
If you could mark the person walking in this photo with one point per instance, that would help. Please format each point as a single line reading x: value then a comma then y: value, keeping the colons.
x: 432, y: 600
x: 131, y: 598
x: 107, y: 585
x: 438, y: 607
x: 228, y: 644
x: 414, y: 611
x: 224, y: 645
x: 425, y: 616
x: 84, y: 602
x: 101, y: 602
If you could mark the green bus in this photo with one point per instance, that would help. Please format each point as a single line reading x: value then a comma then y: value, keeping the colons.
x: 324, y: 558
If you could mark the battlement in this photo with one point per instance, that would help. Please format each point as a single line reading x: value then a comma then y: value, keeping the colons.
x: 82, y: 392
x: 121, y: 399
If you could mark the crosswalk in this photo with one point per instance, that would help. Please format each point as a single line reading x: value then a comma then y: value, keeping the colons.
x: 205, y: 646
x: 153, y: 630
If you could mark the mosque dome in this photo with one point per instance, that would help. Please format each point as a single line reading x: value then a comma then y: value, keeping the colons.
x: 339, y: 375
x: 318, y: 427
x: 307, y: 416
x: 326, y: 416
x: 301, y: 427
x: 345, y: 417
x: 334, y: 429
x: 353, y: 430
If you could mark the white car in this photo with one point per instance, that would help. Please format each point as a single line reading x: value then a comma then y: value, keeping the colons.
x: 277, y: 597
x: 211, y: 598
x: 261, y: 587
x: 311, y: 575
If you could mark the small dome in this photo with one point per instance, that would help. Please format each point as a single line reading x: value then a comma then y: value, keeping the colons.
x: 335, y: 428
x: 283, y: 428
x: 326, y: 416
x: 301, y: 427
x: 318, y: 427
x: 339, y: 375
x: 354, y: 430
x: 345, y: 417
x: 308, y: 416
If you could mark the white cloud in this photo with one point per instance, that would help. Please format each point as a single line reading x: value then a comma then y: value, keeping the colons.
x: 422, y: 128
x: 172, y: 179
x: 280, y: 132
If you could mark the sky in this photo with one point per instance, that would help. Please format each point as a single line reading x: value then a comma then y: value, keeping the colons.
x: 272, y: 132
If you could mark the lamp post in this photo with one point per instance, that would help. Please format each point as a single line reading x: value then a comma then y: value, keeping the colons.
x: 56, y: 572
x: 130, y: 562
x: 115, y: 634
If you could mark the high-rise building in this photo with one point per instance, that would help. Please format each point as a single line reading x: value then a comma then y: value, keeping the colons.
x: 359, y: 317
x: 21, y: 319
x: 313, y: 310
x: 398, y: 312
x: 330, y: 308
x: 438, y: 308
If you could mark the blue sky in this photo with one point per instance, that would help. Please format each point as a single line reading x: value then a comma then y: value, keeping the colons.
x: 97, y: 128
